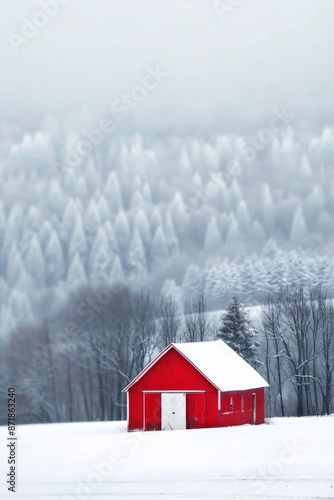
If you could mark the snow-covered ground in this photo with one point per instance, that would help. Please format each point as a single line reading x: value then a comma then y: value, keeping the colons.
x: 289, y: 458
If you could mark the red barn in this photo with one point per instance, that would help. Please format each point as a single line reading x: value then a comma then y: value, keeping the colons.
x: 194, y: 385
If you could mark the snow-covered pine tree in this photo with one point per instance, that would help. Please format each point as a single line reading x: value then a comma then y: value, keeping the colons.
x: 212, y: 241
x: 34, y: 263
x: 91, y: 222
x: 123, y: 231
x: 237, y: 332
x: 113, y: 193
x: 172, y: 241
x: 104, y: 210
x: 159, y: 249
x: 136, y: 254
x: 299, y: 233
x: 142, y: 225
x: 78, y: 242
x: 54, y: 260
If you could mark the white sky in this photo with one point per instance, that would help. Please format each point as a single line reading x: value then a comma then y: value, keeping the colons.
x: 264, y: 54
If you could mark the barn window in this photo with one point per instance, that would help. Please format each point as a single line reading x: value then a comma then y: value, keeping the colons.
x: 231, y: 404
x: 242, y: 404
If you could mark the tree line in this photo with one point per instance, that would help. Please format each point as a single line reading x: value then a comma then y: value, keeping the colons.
x: 298, y: 328
x: 73, y: 366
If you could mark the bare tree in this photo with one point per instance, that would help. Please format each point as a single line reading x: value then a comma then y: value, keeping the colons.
x: 298, y: 325
x: 271, y: 321
x: 196, y: 323
x: 170, y: 320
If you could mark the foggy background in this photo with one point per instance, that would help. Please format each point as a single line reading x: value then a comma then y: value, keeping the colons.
x: 223, y: 71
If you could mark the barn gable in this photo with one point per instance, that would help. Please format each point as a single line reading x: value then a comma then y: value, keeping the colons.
x: 217, y: 362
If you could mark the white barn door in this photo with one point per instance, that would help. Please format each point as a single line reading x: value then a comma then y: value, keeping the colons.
x: 173, y: 406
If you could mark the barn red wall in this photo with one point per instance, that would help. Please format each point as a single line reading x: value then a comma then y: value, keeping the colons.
x: 171, y: 372
x: 174, y: 372
x: 195, y: 411
x: 239, y: 417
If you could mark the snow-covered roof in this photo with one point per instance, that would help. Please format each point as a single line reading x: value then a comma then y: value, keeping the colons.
x: 222, y: 366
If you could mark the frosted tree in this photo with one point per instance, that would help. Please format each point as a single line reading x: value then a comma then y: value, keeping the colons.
x: 103, y: 209
x: 196, y: 153
x: 80, y: 206
x: 197, y: 181
x: 185, y: 162
x: 225, y: 221
x: 91, y: 175
x: 212, y: 242
x: 235, y: 191
x: 211, y: 279
x: 237, y: 332
x: 113, y: 193
x: 33, y: 218
x: 249, y: 280
x: 14, y: 266
x: 209, y: 156
x: 117, y: 275
x: 267, y: 206
x: 54, y: 260
x: 78, y: 243
x: 258, y: 234
x: 76, y: 275
x: 82, y: 189
x: 137, y: 200
x: 111, y: 236
x: 45, y: 233
x: 101, y: 239
x: 101, y: 258
x: 142, y: 225
x: 314, y: 204
x: 159, y: 249
x: 223, y: 148
x: 180, y: 216
x: 55, y: 199
x: 122, y: 230
x: 34, y: 263
x: 299, y: 233
x: 19, y: 306
x: 70, y: 182
x: 172, y: 241
x: 70, y: 216
x: 13, y: 230
x: 147, y: 193
x: 243, y: 218
x: 91, y: 222
x: 31, y: 226
x: 137, y: 183
x: 278, y: 269
x: 262, y: 277
x: 305, y: 168
x: 136, y: 254
x: 270, y: 249
x: 171, y: 289
x: 155, y: 218
x: 192, y: 281
x: 234, y: 235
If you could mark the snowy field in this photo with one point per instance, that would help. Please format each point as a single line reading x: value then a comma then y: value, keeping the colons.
x: 289, y: 458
